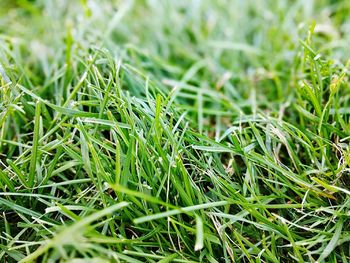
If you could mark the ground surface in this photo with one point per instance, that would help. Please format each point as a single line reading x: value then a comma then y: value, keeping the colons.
x: 174, y: 131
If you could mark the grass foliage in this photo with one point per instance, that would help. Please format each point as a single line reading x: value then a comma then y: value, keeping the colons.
x: 174, y: 131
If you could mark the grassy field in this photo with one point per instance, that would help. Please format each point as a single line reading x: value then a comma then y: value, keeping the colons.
x: 174, y: 131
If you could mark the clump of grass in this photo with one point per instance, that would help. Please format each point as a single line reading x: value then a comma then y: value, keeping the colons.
x: 174, y: 131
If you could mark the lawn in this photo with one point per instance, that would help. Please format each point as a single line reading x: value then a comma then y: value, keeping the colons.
x: 174, y: 131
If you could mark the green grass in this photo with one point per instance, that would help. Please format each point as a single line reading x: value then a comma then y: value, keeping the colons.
x: 174, y: 131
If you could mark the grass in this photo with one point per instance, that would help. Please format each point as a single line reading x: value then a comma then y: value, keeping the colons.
x: 174, y: 131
